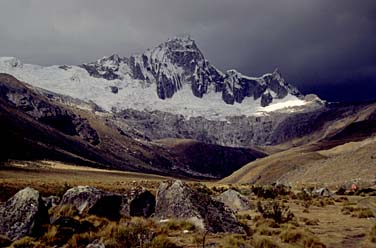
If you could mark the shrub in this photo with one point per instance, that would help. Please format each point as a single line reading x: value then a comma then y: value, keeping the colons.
x: 234, y: 241
x: 25, y: 242
x: 273, y: 210
x: 133, y: 235
x: 243, y: 217
x: 372, y: 234
x: 174, y: 225
x: 346, y: 210
x: 202, y: 188
x: 64, y: 210
x: 264, y: 192
x: 310, y: 222
x: 264, y: 242
x: 161, y: 241
x: 304, y: 196
x: 267, y: 222
x: 365, y: 213
x: 264, y: 230
x: 61, y: 189
x: 301, y: 237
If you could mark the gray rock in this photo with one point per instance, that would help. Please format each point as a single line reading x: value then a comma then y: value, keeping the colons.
x: 90, y: 200
x: 234, y: 200
x: 23, y: 215
x: 266, y: 99
x: 322, y: 192
x: 96, y: 244
x: 236, y: 131
x: 138, y: 202
x: 177, y: 200
x: 51, y: 201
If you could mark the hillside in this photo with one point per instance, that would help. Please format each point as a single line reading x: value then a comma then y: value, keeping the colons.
x: 341, y: 152
x: 34, y: 127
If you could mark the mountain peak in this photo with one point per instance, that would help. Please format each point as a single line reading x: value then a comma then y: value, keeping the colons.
x: 177, y: 65
x: 181, y: 43
x: 10, y: 61
x: 181, y: 38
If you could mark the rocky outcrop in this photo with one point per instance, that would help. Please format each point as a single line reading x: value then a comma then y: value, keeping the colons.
x: 234, y: 200
x: 236, y: 131
x: 177, y: 200
x: 322, y: 192
x: 23, y: 215
x: 51, y: 201
x: 138, y: 202
x: 266, y: 99
x: 96, y: 244
x: 90, y: 200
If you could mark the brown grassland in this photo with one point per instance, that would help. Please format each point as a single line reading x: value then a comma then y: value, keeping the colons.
x: 338, y: 221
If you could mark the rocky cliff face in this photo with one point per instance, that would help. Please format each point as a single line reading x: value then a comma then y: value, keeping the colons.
x: 236, y: 131
x: 179, y: 61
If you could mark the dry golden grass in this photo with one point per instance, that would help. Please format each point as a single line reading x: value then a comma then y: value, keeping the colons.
x: 306, y: 166
x: 56, y: 179
x: 324, y: 223
x: 372, y: 234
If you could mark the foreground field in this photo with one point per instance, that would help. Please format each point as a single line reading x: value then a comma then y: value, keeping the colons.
x: 51, y: 178
x: 334, y: 221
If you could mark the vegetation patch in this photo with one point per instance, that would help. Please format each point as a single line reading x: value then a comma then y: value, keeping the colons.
x: 276, y: 211
x: 301, y: 237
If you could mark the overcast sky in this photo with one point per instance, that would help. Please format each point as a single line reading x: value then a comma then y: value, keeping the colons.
x: 323, y: 46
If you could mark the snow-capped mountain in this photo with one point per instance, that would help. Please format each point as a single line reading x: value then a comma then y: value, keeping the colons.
x: 173, y: 77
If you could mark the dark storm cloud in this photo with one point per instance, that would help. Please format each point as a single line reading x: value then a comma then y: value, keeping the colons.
x: 323, y: 46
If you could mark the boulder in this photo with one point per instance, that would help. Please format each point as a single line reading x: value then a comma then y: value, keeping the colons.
x: 96, y: 244
x: 51, y: 201
x: 23, y: 215
x: 176, y: 199
x: 138, y: 202
x: 234, y: 200
x: 90, y: 200
x: 322, y: 192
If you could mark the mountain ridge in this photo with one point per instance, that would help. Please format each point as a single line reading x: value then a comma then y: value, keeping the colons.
x: 173, y: 77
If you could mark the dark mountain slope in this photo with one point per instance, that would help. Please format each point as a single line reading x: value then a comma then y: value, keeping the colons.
x: 35, y: 128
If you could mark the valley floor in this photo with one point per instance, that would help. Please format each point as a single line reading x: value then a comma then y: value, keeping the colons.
x: 338, y: 221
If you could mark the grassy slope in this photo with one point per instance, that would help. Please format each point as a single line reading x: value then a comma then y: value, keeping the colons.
x: 340, y: 152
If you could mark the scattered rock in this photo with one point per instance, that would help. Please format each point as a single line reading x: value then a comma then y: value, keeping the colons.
x: 23, y: 215
x: 234, y: 200
x: 90, y: 200
x: 51, y: 201
x: 177, y: 200
x: 322, y: 192
x: 138, y: 202
x: 96, y: 244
